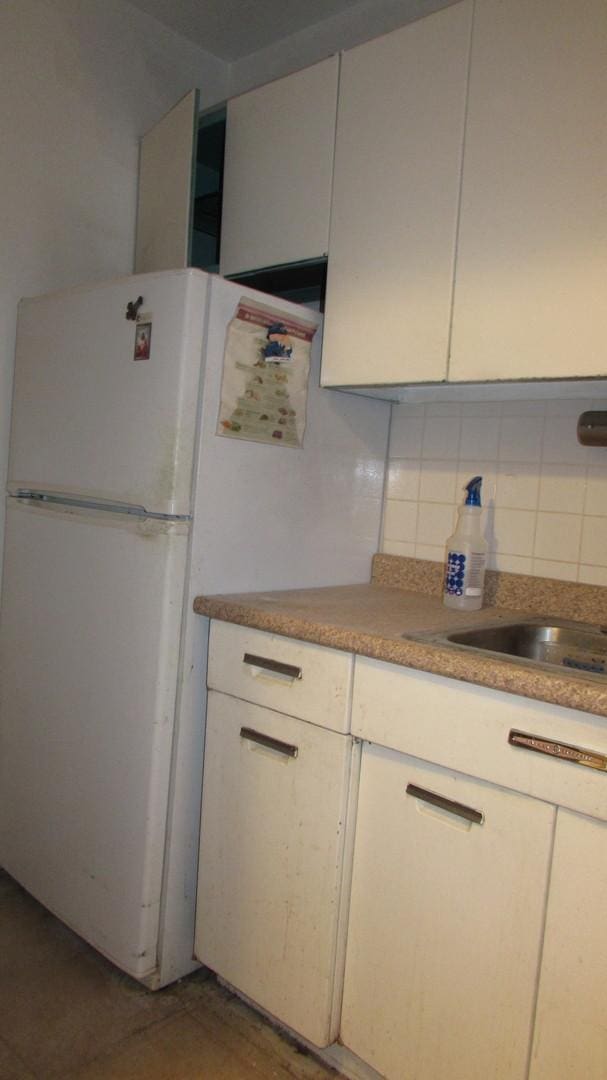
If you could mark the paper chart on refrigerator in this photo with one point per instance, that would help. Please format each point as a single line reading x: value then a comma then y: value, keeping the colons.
x: 265, y: 376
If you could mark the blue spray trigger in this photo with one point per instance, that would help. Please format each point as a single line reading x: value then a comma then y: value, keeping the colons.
x: 473, y: 487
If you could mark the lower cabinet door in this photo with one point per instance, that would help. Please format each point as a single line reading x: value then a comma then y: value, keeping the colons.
x: 449, y: 889
x: 275, y: 794
x: 571, y: 1025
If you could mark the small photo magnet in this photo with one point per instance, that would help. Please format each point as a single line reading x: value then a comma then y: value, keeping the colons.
x: 143, y: 341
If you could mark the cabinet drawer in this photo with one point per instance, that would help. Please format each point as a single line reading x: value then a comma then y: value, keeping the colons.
x: 294, y: 677
x: 468, y: 727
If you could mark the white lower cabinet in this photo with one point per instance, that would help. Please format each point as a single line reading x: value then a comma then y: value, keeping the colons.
x: 571, y: 1023
x: 476, y: 945
x: 275, y: 797
x: 445, y: 922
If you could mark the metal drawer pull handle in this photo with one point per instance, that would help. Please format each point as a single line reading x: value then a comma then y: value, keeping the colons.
x: 575, y: 754
x: 272, y: 665
x: 266, y: 740
x: 446, y: 804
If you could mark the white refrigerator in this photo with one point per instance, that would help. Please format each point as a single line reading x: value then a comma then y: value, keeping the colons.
x: 123, y: 503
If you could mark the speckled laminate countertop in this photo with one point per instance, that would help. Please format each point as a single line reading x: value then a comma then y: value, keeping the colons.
x: 371, y: 620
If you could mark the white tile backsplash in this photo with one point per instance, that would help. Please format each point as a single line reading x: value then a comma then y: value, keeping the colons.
x: 434, y: 520
x: 594, y: 541
x: 596, y: 492
x: 400, y: 520
x: 479, y: 438
x: 561, y: 445
x: 511, y: 564
x: 549, y: 568
x: 403, y: 480
x: 557, y: 536
x: 398, y: 547
x: 513, y: 532
x: 429, y: 551
x: 406, y: 435
x: 521, y: 437
x: 437, y: 481
x: 441, y: 437
x: 545, y: 496
x: 517, y: 487
x: 592, y: 575
x: 561, y: 490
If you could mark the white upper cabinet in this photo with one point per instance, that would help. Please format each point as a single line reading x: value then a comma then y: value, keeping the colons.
x: 454, y: 170
x: 278, y: 168
x: 164, y: 208
x: 530, y: 296
x: 395, y: 199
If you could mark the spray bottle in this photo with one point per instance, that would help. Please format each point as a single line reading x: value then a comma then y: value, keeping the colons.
x: 466, y: 555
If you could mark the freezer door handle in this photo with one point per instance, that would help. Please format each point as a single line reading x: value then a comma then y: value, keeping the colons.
x: 276, y: 666
x: 98, y: 505
x: 268, y: 741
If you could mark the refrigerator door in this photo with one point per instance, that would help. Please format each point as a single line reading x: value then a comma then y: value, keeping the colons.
x: 100, y: 410
x: 89, y: 636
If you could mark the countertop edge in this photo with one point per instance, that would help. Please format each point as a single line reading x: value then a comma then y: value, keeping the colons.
x: 503, y: 675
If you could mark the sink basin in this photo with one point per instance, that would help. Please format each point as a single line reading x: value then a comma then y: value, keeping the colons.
x: 574, y: 646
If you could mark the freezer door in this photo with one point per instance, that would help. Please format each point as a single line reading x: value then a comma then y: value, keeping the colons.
x: 89, y: 653
x: 100, y: 408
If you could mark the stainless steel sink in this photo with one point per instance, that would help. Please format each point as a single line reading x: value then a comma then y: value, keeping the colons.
x: 560, y: 644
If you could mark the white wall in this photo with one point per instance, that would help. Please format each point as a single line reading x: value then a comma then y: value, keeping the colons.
x: 545, y: 496
x: 80, y: 81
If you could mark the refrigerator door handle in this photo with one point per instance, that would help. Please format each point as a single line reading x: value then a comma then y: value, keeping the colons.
x: 64, y: 499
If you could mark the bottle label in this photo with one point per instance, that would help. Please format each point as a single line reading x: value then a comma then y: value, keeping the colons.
x: 476, y: 574
x: 455, y: 569
x: 463, y: 575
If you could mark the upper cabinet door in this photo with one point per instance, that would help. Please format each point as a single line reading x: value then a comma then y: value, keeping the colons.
x: 532, y: 252
x: 398, y: 155
x: 166, y: 172
x: 278, y: 169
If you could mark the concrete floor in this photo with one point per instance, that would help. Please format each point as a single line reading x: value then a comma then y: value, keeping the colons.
x: 65, y: 1012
